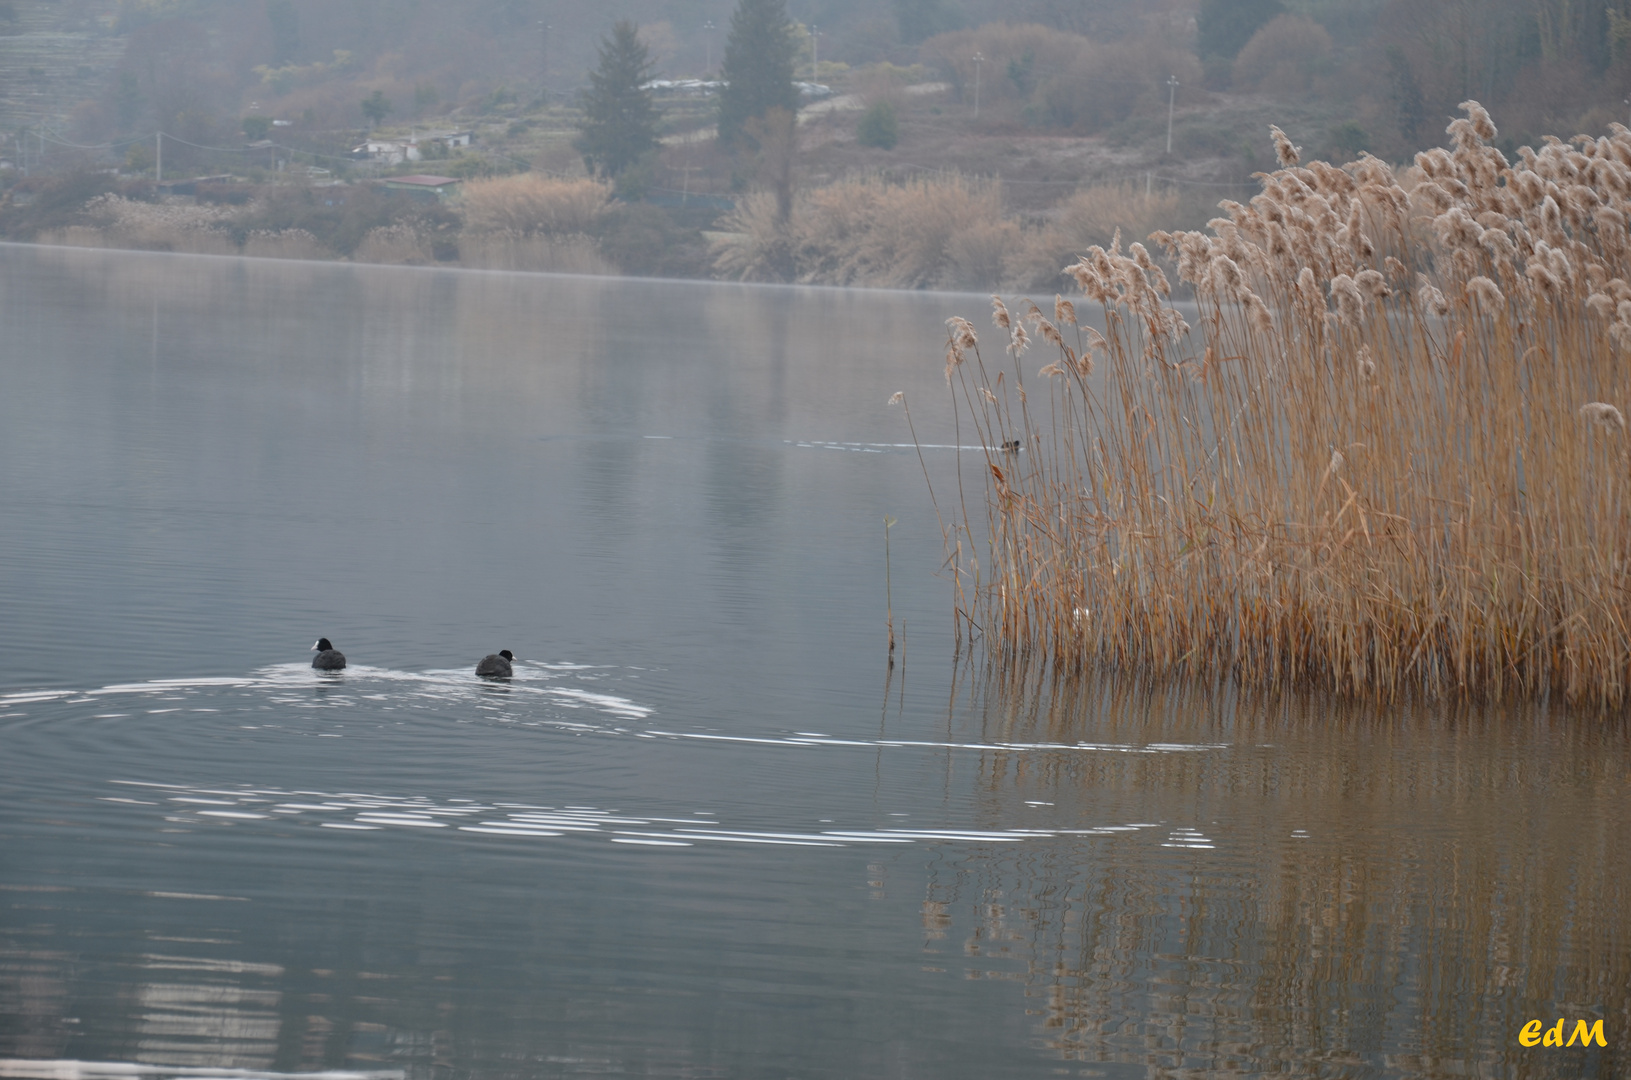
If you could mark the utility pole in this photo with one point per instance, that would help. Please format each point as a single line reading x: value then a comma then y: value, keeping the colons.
x: 1172, y: 96
x: 815, y: 53
x: 158, y: 159
x: 978, y: 60
x: 708, y: 36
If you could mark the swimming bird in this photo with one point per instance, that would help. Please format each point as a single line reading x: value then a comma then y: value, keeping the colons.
x: 328, y: 658
x: 496, y: 665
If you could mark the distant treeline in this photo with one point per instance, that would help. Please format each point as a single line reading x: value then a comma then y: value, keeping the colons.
x: 1395, y: 68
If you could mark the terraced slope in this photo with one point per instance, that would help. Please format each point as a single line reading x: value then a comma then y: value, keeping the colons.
x: 53, y: 55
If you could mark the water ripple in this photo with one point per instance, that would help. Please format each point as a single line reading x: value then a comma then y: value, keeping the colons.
x: 186, y: 808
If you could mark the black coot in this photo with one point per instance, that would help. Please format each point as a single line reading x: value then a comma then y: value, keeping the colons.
x: 328, y: 658
x: 496, y: 665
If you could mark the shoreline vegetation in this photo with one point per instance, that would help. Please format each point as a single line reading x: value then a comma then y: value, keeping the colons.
x: 1390, y: 461
x: 948, y: 232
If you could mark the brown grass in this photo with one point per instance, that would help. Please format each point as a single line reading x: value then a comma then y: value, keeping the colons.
x: 398, y: 244
x: 1095, y: 214
x: 118, y: 222
x: 1366, y: 468
x: 529, y: 204
x: 284, y: 244
x: 534, y: 222
x: 938, y: 231
x: 573, y: 254
x: 870, y: 232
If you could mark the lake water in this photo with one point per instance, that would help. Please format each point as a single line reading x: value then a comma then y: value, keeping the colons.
x: 706, y: 831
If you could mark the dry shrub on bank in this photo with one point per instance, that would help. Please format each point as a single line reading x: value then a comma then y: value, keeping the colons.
x: 119, y: 222
x: 1391, y: 458
x: 75, y: 236
x: 533, y: 222
x: 944, y: 232
x: 928, y: 232
x: 892, y: 235
x: 284, y: 244
x: 1094, y: 215
x: 554, y: 254
x: 402, y: 243
x: 532, y: 205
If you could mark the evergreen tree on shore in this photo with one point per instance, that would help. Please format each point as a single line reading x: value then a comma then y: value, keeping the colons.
x: 619, y: 123
x: 758, y: 69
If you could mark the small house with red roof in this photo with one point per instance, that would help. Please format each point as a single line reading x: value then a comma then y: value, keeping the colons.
x: 440, y: 188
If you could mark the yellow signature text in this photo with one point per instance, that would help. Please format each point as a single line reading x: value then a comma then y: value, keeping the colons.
x: 1535, y: 1033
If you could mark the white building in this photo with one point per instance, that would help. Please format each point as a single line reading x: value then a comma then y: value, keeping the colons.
x: 396, y: 151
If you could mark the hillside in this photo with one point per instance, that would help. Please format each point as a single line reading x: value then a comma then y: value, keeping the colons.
x: 1054, y: 125
x: 54, y: 55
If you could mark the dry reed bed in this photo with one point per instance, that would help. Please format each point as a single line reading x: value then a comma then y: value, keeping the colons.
x: 945, y: 231
x: 525, y: 222
x: 1390, y: 459
x: 533, y: 222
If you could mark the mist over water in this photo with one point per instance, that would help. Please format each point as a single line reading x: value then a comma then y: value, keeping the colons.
x: 705, y: 830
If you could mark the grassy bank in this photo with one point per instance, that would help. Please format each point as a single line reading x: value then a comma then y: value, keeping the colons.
x: 522, y: 222
x: 928, y: 232
x: 1389, y: 459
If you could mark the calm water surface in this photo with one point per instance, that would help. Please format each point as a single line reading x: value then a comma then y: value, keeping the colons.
x: 706, y: 831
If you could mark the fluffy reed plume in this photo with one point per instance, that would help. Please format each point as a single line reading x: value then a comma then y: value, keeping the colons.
x: 1288, y: 154
x: 1385, y: 461
x: 1602, y: 413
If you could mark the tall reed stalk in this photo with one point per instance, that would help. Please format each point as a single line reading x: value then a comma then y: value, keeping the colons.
x: 1389, y: 459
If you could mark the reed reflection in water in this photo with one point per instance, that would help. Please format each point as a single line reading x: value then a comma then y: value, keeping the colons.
x: 1368, y: 891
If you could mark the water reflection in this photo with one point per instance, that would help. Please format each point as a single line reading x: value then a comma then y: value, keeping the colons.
x: 205, y: 1024
x: 1389, y: 890
x: 1214, y: 885
x: 691, y: 843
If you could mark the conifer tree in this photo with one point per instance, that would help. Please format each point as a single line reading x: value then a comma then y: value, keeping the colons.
x: 758, y: 69
x: 619, y: 123
x: 376, y: 107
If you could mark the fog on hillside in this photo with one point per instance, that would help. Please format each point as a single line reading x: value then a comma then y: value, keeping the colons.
x: 1029, y: 128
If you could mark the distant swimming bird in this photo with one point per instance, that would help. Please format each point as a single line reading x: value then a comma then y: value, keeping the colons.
x: 496, y: 665
x: 328, y: 658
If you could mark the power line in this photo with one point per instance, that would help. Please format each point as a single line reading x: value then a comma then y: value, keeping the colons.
x: 51, y: 137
